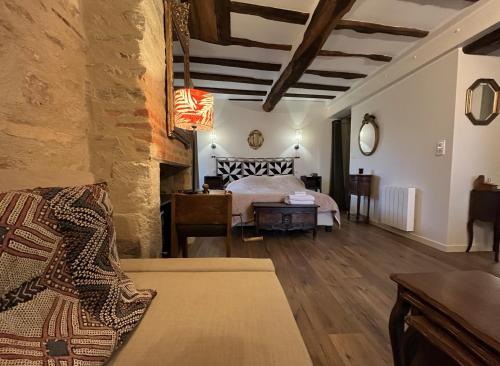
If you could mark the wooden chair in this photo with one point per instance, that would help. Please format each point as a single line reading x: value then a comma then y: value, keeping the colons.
x: 201, y: 215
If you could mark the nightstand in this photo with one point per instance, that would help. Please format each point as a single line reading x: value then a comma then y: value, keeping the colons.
x: 214, y: 182
x: 361, y: 186
x: 312, y: 182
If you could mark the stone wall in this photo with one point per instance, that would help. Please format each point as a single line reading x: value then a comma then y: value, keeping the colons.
x: 85, y: 102
x: 44, y: 117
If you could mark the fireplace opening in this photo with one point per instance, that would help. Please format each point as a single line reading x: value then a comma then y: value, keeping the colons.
x: 174, y: 177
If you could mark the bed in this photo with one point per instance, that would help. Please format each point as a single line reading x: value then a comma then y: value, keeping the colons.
x: 276, y: 188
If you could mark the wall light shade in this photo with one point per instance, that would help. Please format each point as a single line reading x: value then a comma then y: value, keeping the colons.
x: 298, y: 138
x: 194, y: 109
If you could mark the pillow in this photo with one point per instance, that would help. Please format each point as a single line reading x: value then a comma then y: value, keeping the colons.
x: 63, y: 297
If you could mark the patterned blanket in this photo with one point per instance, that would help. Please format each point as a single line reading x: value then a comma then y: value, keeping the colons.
x: 273, y: 189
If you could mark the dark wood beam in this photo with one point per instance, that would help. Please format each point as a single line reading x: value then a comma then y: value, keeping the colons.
x: 319, y: 87
x: 202, y: 21
x: 232, y: 91
x: 245, y: 100
x: 234, y: 41
x: 485, y: 45
x: 267, y: 12
x: 370, y: 28
x: 252, y: 65
x: 312, y: 96
x: 374, y: 57
x: 325, y: 17
x: 225, y: 78
x: 336, y: 74
x: 223, y: 16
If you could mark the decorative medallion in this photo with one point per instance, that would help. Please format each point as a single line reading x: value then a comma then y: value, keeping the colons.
x: 255, y: 139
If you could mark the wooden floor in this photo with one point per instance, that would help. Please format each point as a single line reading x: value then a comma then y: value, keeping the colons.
x: 339, y: 288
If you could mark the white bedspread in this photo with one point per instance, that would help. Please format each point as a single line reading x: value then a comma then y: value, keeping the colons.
x: 273, y: 189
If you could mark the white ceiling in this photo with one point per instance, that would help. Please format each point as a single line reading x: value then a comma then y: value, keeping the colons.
x: 420, y: 14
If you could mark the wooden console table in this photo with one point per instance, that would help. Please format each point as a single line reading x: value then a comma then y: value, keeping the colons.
x: 485, y: 206
x: 360, y: 185
x: 452, y: 319
x: 285, y: 217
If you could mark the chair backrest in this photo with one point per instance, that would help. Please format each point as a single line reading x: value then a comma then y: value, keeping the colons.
x: 202, y: 209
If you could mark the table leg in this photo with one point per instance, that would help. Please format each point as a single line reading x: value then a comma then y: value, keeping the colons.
x: 183, y: 245
x: 358, y: 206
x: 470, y: 234
x: 315, y: 233
x: 368, y: 211
x: 496, y: 239
x: 396, y: 329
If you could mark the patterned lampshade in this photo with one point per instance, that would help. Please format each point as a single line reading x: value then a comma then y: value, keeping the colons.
x: 194, y: 109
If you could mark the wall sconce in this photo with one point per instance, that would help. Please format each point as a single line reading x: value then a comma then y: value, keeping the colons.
x: 213, y: 138
x: 298, y: 140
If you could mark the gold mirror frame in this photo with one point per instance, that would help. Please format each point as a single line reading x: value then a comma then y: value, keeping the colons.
x: 176, y: 22
x: 369, y: 119
x: 468, y: 102
x: 255, y: 139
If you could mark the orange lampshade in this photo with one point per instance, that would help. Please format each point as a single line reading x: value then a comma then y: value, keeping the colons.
x: 194, y: 109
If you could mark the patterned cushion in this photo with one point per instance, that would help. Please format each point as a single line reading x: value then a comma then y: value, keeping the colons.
x: 63, y: 297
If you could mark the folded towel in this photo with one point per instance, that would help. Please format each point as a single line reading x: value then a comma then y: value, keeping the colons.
x: 300, y: 192
x: 301, y: 197
x: 296, y: 202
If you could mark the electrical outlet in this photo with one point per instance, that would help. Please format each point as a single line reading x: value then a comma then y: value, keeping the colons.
x: 441, y: 148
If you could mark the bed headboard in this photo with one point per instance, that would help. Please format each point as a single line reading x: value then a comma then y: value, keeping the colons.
x: 231, y: 169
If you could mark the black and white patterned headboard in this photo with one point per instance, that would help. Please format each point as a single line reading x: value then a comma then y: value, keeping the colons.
x: 232, y: 169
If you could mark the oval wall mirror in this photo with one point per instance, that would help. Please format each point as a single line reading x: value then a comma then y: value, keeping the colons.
x: 368, y: 135
x: 481, y: 104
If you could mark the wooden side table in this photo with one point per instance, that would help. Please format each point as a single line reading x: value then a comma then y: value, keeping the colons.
x: 361, y: 186
x: 312, y: 182
x: 214, y: 181
x: 201, y: 215
x: 485, y: 206
x: 451, y: 319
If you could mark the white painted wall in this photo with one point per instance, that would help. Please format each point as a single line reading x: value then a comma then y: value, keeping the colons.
x: 234, y: 121
x: 476, y: 151
x: 413, y: 115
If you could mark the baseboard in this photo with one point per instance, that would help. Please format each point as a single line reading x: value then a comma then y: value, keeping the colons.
x: 421, y: 239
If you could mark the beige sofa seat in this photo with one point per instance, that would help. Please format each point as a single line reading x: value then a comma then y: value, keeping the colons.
x: 207, y: 312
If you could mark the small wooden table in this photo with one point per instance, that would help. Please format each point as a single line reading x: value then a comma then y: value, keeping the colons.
x: 360, y: 185
x: 285, y: 217
x: 312, y: 182
x: 485, y: 206
x: 452, y: 319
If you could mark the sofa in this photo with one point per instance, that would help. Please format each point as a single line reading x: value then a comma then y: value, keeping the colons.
x: 67, y: 299
x: 218, y: 311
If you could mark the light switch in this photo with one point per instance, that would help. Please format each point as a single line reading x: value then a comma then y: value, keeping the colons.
x: 441, y: 148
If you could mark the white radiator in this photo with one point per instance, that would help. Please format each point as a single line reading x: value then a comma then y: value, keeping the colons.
x: 397, y: 207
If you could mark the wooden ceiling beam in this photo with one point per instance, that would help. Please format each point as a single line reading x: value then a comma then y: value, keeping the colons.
x: 245, y: 100
x: 485, y: 45
x: 267, y: 12
x: 372, y: 56
x: 252, y: 65
x: 232, y: 91
x: 312, y: 96
x: 209, y: 20
x: 234, y: 41
x: 336, y: 74
x: 319, y: 87
x: 371, y: 28
x: 323, y: 21
x: 224, y: 78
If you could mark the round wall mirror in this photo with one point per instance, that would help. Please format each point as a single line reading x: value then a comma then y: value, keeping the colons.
x: 481, y: 105
x: 368, y: 135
